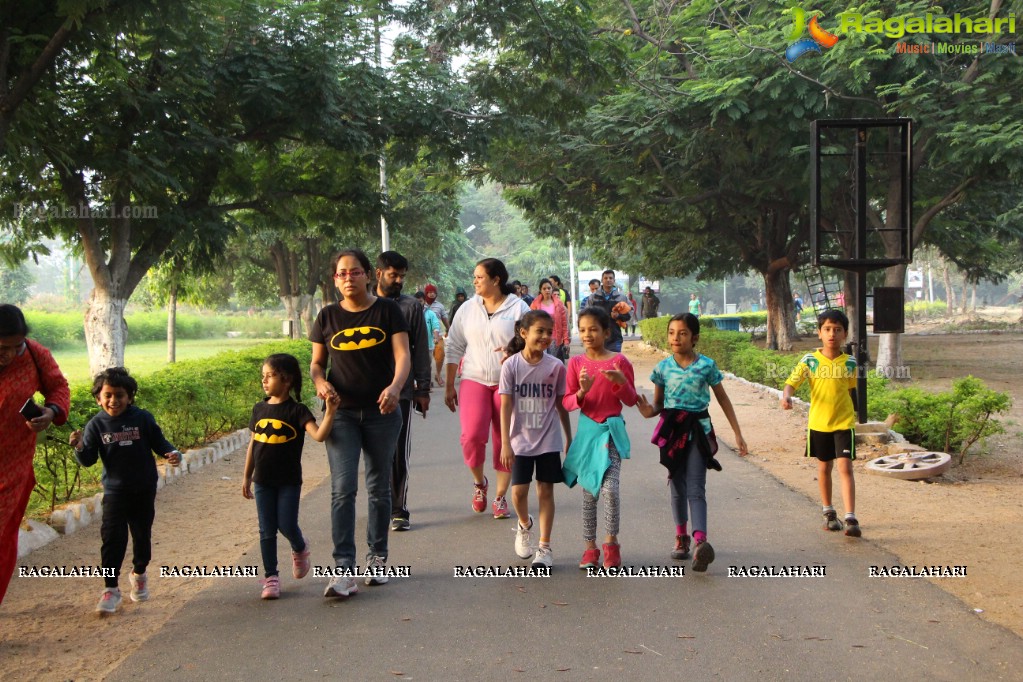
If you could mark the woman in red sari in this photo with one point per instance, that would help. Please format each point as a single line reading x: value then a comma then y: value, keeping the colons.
x: 25, y: 368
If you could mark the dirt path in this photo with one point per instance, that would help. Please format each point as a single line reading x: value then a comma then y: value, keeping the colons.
x: 48, y: 629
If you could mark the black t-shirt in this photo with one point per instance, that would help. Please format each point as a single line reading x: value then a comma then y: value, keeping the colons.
x: 278, y: 434
x: 359, y: 347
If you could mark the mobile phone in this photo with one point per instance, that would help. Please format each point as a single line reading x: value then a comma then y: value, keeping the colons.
x: 30, y: 410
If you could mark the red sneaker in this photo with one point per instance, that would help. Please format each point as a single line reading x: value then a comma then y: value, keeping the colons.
x: 612, y: 555
x: 591, y: 558
x: 479, y: 496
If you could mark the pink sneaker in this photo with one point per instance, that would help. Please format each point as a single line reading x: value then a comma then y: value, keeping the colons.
x: 591, y: 558
x: 479, y: 496
x: 300, y: 562
x: 501, y: 508
x: 612, y: 555
x: 271, y: 588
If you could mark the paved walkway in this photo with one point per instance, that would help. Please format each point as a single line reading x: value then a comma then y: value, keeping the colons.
x: 433, y: 626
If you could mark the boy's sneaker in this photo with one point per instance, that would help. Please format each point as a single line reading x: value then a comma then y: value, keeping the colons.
x: 341, y: 586
x: 109, y: 600
x: 479, y: 496
x: 831, y: 521
x: 681, y: 549
x: 271, y: 588
x: 703, y: 556
x: 852, y: 527
x: 591, y: 558
x: 544, y: 558
x: 139, y: 586
x: 612, y: 555
x: 524, y: 539
x: 501, y: 508
x: 400, y: 523
x: 300, y: 562
x: 376, y: 567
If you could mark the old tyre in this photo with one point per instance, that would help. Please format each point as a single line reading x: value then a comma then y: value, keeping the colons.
x: 911, y: 466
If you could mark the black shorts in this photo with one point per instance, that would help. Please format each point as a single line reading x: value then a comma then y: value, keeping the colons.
x: 830, y: 445
x: 548, y: 469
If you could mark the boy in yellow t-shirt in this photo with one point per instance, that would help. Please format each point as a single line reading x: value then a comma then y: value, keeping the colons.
x: 831, y: 435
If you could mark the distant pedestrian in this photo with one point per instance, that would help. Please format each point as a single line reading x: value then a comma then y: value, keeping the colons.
x: 565, y: 294
x: 273, y: 463
x: 694, y: 305
x: 455, y: 305
x: 635, y: 312
x: 531, y: 389
x: 549, y: 302
x: 614, y: 304
x: 594, y: 284
x: 682, y: 386
x: 649, y: 304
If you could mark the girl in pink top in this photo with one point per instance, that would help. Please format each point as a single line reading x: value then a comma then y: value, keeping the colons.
x: 552, y: 305
x: 598, y: 383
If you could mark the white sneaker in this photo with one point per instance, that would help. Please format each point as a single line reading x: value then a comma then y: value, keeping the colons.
x: 375, y: 569
x: 109, y: 600
x: 544, y: 558
x: 524, y: 539
x: 139, y: 587
x: 341, y: 586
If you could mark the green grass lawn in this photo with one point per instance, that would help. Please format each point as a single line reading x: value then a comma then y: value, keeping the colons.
x: 143, y: 358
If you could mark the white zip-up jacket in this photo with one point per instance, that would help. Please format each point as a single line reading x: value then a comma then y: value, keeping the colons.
x: 480, y: 338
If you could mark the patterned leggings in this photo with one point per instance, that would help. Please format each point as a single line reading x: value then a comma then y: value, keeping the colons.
x: 609, y: 492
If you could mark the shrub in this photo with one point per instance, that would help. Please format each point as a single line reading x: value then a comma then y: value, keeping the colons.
x: 950, y: 421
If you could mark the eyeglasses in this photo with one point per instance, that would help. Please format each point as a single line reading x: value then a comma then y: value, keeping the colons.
x: 349, y: 274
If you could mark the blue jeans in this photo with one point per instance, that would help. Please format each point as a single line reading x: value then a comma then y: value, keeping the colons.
x: 356, y: 431
x: 688, y: 489
x: 277, y: 509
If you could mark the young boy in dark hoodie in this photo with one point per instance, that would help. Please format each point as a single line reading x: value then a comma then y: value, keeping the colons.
x: 124, y: 437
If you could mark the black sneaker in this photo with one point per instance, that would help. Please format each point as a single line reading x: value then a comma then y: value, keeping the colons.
x: 852, y: 527
x: 831, y: 521
x: 400, y: 523
x: 703, y: 556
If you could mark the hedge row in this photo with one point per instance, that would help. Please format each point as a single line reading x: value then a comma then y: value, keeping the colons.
x: 194, y: 402
x: 61, y: 330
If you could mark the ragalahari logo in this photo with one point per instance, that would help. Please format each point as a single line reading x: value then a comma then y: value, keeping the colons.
x: 819, y: 38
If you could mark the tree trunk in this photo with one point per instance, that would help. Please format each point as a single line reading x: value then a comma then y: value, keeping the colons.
x: 965, y: 299
x: 309, y: 311
x: 292, y: 312
x: 973, y: 297
x: 889, y: 346
x: 106, y: 332
x: 852, y: 304
x: 950, y: 294
x: 780, y: 324
x: 172, y: 318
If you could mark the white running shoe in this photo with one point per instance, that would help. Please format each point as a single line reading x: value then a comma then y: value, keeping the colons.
x: 109, y: 600
x: 341, y: 586
x: 544, y: 558
x: 139, y: 587
x: 376, y: 567
x: 524, y: 539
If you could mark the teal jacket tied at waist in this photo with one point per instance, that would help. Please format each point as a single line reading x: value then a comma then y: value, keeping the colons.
x: 587, y: 458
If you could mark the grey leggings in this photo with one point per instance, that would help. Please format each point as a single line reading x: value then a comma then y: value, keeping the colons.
x: 609, y: 492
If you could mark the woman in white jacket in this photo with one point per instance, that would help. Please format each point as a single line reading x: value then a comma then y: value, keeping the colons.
x: 477, y: 338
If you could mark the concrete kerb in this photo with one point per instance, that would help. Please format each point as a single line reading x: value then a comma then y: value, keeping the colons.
x: 74, y: 515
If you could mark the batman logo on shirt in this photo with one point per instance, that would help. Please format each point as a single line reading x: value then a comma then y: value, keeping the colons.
x: 273, y: 432
x: 358, y: 338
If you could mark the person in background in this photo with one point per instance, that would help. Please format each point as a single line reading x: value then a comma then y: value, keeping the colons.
x: 594, y: 284
x: 649, y: 304
x: 455, y: 305
x: 565, y: 294
x: 552, y: 305
x: 26, y: 367
x: 484, y: 326
x: 608, y: 297
x: 694, y: 305
x: 635, y: 312
x: 430, y: 291
x: 526, y: 297
x: 391, y: 270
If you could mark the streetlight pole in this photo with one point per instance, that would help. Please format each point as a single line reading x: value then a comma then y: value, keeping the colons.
x: 385, y: 235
